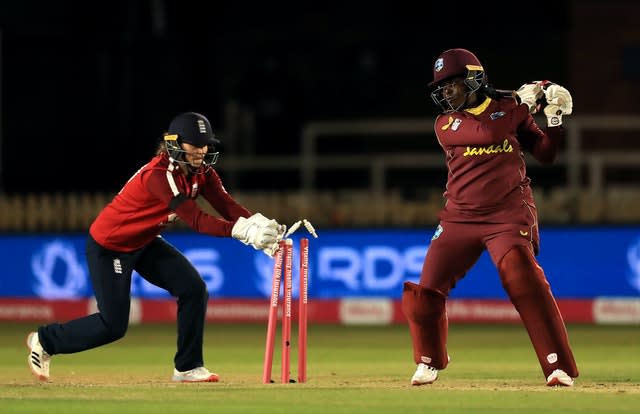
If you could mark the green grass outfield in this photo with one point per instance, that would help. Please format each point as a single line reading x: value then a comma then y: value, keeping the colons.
x: 352, y: 369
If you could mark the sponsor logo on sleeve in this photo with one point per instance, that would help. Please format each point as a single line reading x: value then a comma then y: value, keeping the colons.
x: 452, y: 123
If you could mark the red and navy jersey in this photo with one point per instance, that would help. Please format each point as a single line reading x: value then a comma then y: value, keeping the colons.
x: 158, y: 194
x: 484, y: 148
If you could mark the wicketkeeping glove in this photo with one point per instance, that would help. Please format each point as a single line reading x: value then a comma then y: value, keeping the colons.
x: 559, y: 102
x: 259, y: 232
x: 271, y: 250
x: 529, y: 93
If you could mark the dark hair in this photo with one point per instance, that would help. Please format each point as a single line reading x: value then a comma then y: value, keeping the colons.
x: 161, y: 148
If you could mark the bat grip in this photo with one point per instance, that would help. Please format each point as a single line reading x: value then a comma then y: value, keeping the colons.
x: 504, y: 93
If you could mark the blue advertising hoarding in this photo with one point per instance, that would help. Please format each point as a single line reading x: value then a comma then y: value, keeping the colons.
x: 579, y: 263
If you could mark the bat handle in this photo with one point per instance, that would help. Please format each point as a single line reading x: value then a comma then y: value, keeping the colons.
x: 505, y: 93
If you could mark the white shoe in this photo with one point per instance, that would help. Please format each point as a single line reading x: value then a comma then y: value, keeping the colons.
x: 424, y: 375
x: 200, y: 374
x: 559, y: 378
x: 38, y: 358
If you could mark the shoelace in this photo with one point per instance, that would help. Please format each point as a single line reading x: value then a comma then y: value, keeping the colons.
x: 201, y: 370
x: 426, y: 368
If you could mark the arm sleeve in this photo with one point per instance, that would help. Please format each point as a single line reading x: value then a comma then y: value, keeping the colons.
x: 215, y: 193
x: 477, y: 132
x: 162, y: 186
x: 189, y: 212
x: 543, y: 145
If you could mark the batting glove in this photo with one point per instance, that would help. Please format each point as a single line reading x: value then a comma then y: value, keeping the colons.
x: 529, y: 93
x: 559, y: 102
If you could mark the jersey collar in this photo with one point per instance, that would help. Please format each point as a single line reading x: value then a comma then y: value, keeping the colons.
x: 480, y: 108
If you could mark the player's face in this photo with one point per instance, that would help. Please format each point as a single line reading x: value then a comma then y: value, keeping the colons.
x: 454, y: 92
x: 194, y: 155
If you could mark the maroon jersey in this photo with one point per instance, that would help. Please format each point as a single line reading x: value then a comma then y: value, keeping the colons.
x: 484, y: 147
x: 155, y: 196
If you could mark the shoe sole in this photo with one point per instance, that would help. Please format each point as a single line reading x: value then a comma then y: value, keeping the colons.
x: 210, y: 379
x: 33, y: 371
x: 418, y: 383
x: 555, y: 382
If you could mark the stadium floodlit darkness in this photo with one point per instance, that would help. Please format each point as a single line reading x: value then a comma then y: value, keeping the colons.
x: 88, y: 88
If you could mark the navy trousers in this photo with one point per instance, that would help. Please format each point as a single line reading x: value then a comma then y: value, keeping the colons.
x: 159, y: 263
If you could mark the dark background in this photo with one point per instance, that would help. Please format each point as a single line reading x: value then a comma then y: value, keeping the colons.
x: 89, y: 87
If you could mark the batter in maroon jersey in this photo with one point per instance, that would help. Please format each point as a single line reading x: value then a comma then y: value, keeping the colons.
x: 489, y: 206
x: 125, y: 237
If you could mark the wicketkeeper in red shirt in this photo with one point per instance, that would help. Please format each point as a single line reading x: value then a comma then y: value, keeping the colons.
x: 489, y: 206
x: 126, y: 237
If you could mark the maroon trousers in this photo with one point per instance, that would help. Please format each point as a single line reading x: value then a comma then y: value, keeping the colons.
x: 453, y: 251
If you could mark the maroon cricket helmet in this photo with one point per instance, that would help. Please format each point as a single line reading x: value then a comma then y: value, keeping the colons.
x: 456, y: 62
